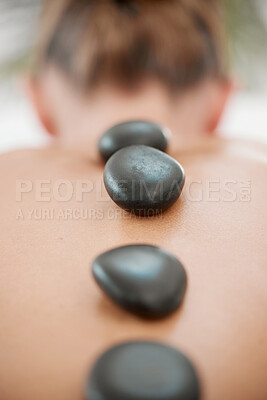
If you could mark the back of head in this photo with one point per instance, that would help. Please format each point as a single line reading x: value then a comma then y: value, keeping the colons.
x: 125, y: 42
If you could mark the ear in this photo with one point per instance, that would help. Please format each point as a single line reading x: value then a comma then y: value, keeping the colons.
x: 219, y: 98
x: 36, y: 95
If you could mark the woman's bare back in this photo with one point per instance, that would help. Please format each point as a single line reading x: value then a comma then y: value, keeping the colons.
x: 56, y: 218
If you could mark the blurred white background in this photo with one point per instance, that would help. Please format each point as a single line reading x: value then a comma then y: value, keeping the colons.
x: 246, y: 113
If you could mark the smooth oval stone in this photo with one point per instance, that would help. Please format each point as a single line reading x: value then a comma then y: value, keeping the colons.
x: 143, y: 180
x: 145, y: 280
x: 143, y: 371
x: 130, y: 133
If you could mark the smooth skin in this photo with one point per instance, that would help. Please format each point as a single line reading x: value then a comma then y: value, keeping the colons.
x: 55, y: 321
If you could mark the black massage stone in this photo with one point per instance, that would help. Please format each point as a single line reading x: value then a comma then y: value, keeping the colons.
x: 145, y: 280
x: 130, y: 133
x: 143, y: 180
x: 143, y: 371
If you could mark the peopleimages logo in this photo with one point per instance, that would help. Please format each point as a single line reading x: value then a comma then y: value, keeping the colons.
x: 66, y: 191
x: 88, y: 200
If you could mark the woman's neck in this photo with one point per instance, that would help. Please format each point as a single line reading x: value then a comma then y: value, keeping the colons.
x: 80, y: 121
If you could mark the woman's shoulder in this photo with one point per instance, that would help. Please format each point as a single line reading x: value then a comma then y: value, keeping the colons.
x: 240, y: 148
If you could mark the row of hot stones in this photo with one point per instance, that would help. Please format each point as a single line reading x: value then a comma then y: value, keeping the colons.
x: 145, y: 280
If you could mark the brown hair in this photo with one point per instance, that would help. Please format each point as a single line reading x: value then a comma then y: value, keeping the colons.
x: 126, y: 41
